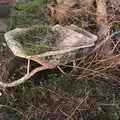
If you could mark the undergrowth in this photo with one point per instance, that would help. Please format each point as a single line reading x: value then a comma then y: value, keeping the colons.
x: 49, y: 94
x: 31, y: 13
x: 52, y: 95
x: 31, y: 6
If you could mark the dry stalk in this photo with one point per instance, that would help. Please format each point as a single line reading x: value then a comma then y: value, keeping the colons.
x: 105, y: 40
x: 81, y: 102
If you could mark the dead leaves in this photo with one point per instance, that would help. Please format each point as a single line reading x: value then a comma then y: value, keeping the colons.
x: 63, y: 10
x: 62, y: 13
x: 69, y: 3
x: 86, y: 3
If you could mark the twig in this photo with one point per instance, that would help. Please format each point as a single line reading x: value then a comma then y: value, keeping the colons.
x: 106, y: 39
x: 60, y: 69
x: 23, y: 79
x: 51, y: 9
x: 28, y: 66
x: 81, y: 102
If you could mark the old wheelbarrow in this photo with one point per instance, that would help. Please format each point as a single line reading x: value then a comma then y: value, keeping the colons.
x: 73, y: 40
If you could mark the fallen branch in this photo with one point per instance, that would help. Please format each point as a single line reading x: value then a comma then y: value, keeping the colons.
x: 23, y: 79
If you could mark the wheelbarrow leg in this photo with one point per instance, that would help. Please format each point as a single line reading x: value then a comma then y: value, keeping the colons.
x: 28, y: 66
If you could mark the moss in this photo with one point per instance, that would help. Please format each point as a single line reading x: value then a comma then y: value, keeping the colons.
x: 37, y: 39
x: 35, y: 50
x: 116, y: 27
x: 25, y: 11
x: 31, y: 6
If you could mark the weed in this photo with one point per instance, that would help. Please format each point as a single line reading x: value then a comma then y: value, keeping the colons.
x: 116, y: 27
x: 26, y: 15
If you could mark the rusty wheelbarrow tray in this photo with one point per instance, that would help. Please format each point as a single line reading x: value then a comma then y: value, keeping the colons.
x: 74, y: 39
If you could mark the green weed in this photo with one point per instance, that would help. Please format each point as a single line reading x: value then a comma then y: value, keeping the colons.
x: 116, y: 27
